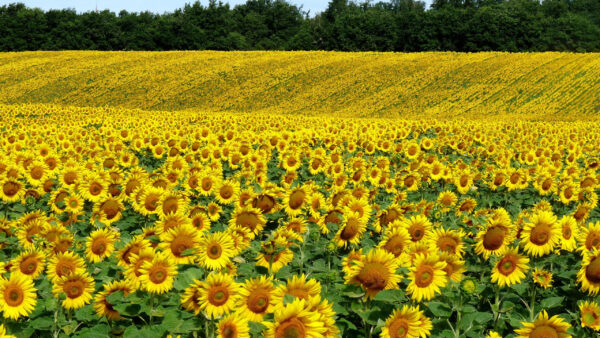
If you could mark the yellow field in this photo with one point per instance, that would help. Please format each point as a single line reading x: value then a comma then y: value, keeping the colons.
x: 531, y: 85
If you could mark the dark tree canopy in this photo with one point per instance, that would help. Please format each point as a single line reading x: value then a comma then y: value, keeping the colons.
x: 396, y: 25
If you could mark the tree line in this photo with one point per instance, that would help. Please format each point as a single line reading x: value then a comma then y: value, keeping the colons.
x: 397, y: 25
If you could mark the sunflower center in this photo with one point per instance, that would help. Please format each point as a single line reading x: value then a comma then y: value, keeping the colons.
x: 350, y: 230
x: 424, y: 276
x: 493, y: 238
x: 151, y: 202
x: 28, y: 265
x: 179, y: 245
x: 448, y: 244
x: 247, y: 220
x: 37, y: 173
x: 417, y: 232
x: 399, y: 328
x: 10, y: 188
x: 544, y: 331
x: 258, y: 302
x: 507, y: 265
x: 394, y: 245
x: 592, y: 240
x: 73, y: 289
x: 13, y: 296
x: 110, y: 208
x: 226, y: 192
x: 95, y: 188
x: 291, y: 328
x: 589, y: 318
x: 158, y: 275
x: 229, y: 331
x: 566, y: 232
x: 214, y: 251
x: 540, y: 234
x: 218, y: 295
x: 170, y: 205
x: 592, y: 271
x: 98, y: 246
x: 297, y: 199
x: 373, y: 276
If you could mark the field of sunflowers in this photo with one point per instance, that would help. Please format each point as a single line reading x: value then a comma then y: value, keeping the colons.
x: 147, y: 223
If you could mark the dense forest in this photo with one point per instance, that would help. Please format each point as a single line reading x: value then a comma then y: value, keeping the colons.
x: 397, y: 25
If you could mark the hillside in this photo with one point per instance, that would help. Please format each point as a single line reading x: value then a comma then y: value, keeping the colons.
x: 533, y: 85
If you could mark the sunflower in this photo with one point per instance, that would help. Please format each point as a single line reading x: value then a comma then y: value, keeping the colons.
x: 74, y: 204
x: 78, y: 287
x: 449, y: 241
x: 181, y: 244
x: 351, y: 230
x: 108, y: 211
x: 64, y: 264
x: 18, y: 296
x: 542, y: 278
x: 295, y: 320
x: 402, y: 323
x: 29, y: 263
x: 93, y: 188
x: 590, y: 315
x: 295, y: 201
x: 427, y: 276
x: 219, y: 295
x: 589, y: 237
x: 570, y: 233
x: 100, y: 244
x: 493, y: 334
x: 103, y: 307
x: 250, y: 218
x: 274, y: 254
x: 418, y: 227
x: 256, y: 298
x: 213, y: 211
x: 172, y: 203
x: 544, y: 326
x: 455, y: 267
x: 233, y: 326
x: 589, y: 274
x: 208, y: 184
x: 37, y: 172
x: 215, y: 250
x: 227, y: 191
x: 157, y: 275
x: 541, y: 234
x: 375, y: 272
x: 149, y: 200
x: 395, y: 241
x: 11, y: 190
x: 190, y: 299
x: 447, y: 200
x: 3, y: 332
x: 510, y: 268
x: 125, y: 254
x: 299, y: 287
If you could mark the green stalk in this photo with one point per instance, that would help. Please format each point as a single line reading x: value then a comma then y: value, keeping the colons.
x: 151, y: 306
x: 55, y: 329
x: 532, y: 305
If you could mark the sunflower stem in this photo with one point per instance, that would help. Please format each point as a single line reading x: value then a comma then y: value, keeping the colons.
x: 496, y: 308
x: 151, y: 306
x: 55, y: 329
x: 532, y: 304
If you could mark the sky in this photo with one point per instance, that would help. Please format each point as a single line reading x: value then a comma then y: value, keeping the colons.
x: 156, y: 6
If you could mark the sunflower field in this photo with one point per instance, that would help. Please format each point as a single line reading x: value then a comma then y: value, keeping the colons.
x: 145, y: 223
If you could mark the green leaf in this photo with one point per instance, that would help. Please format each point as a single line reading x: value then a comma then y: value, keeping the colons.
x: 42, y: 323
x: 115, y: 297
x: 128, y: 309
x: 483, y: 317
x: 551, y: 302
x: 390, y: 296
x: 439, y: 309
x: 98, y: 331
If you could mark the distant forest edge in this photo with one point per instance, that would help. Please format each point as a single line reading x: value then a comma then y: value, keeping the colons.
x: 398, y: 25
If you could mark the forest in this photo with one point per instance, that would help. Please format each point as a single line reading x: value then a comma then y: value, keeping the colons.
x: 398, y: 25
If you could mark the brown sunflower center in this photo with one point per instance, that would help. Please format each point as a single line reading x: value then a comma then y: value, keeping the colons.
x: 158, y: 274
x: 28, y: 265
x: 180, y: 244
x: 540, y: 234
x: 151, y: 202
x: 592, y: 240
x: 373, y: 276
x: 424, y: 276
x: 291, y: 328
x: 229, y: 331
x: 248, y: 220
x: 399, y: 328
x: 448, y: 244
x: 417, y: 232
x: 258, y: 301
x: 589, y: 318
x: 95, y: 188
x: 214, y: 251
x: 297, y: 199
x: 394, y: 245
x: 170, y: 205
x: 507, y: 265
x: 10, y: 188
x: 226, y: 192
x: 37, y: 172
x: 98, y: 246
x: 544, y: 331
x: 110, y: 209
x: 592, y: 271
x: 14, y: 295
x: 493, y: 238
x: 218, y: 295
x: 350, y: 230
x: 74, y: 289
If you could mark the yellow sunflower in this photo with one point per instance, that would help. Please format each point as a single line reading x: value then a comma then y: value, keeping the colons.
x: 542, y: 278
x: 78, y: 287
x: 510, y: 268
x: 250, y: 218
x: 3, y: 333
x: 256, y: 298
x: 29, y: 263
x: 233, y: 326
x: 544, y: 326
x: 157, y: 275
x: 375, y: 272
x: 181, y: 244
x: 299, y: 287
x: 274, y: 254
x: 64, y: 264
x: 219, y: 295
x: 589, y: 274
x: 590, y: 315
x: 100, y: 244
x: 295, y: 201
x: 227, y: 191
x: 541, y: 234
x: 418, y: 227
x: 448, y: 241
x: 570, y: 232
x: 427, y: 276
x: 402, y: 323
x: 18, y: 296
x: 103, y: 307
x: 494, y: 238
x: 589, y: 237
x: 215, y: 250
x: 190, y: 299
x: 395, y: 241
x: 295, y: 320
x: 351, y: 230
